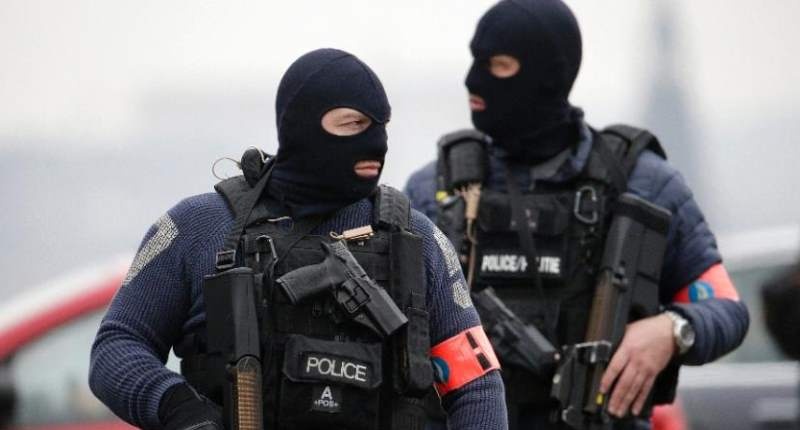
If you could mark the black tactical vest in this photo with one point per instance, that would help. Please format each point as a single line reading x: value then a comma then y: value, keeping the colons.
x: 322, y: 370
x: 568, y: 222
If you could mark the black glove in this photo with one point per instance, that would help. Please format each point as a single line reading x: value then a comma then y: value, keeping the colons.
x: 182, y: 408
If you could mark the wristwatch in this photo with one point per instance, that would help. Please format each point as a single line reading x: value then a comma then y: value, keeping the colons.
x: 682, y: 332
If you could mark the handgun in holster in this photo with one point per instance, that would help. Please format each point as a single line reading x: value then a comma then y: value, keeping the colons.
x: 358, y: 296
x: 516, y: 343
x: 626, y: 289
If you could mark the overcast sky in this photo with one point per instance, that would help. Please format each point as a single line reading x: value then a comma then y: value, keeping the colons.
x: 107, y: 88
x: 78, y: 69
x: 81, y: 77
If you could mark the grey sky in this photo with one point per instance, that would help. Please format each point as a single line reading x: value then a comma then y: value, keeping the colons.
x: 78, y: 68
x: 90, y: 79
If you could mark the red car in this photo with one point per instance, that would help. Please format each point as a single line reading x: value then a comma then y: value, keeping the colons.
x: 45, y: 340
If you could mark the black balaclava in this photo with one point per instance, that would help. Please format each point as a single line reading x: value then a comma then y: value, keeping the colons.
x: 528, y: 114
x: 313, y: 171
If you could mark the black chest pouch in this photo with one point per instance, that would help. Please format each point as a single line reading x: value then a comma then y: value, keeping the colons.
x: 502, y: 259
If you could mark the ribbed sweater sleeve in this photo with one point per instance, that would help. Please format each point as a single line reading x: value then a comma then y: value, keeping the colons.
x: 147, y: 314
x: 481, y: 403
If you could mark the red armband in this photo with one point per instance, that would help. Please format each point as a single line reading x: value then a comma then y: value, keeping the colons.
x: 714, y: 283
x: 462, y: 359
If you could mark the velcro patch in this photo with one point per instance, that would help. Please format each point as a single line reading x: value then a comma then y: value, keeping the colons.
x: 325, y: 367
x: 461, y: 295
x: 165, y: 232
x: 326, y: 398
x: 450, y: 257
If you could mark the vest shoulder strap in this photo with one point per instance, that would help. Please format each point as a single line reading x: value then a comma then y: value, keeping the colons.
x: 638, y: 140
x: 615, y: 152
x: 241, y: 199
x: 392, y: 209
x: 234, y: 190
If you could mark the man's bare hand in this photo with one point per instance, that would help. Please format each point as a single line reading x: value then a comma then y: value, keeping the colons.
x: 645, y: 350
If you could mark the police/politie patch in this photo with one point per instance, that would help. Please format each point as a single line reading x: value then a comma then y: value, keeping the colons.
x: 513, y: 264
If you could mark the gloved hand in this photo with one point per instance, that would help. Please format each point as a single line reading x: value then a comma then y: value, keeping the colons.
x: 182, y: 408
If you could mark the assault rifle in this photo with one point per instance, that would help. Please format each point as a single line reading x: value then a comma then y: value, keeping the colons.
x: 359, y: 297
x: 516, y: 343
x: 627, y: 288
x: 233, y: 339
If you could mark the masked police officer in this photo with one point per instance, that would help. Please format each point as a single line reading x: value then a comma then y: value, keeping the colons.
x: 534, y: 167
x: 355, y: 293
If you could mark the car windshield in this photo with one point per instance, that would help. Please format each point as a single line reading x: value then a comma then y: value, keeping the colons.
x: 50, y: 377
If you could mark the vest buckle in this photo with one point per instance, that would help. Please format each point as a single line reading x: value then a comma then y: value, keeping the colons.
x: 357, y: 297
x: 585, y: 209
x: 226, y: 259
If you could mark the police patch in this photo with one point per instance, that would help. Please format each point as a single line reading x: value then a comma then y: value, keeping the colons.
x: 461, y: 295
x: 166, y: 232
x: 325, y: 367
x: 450, y: 257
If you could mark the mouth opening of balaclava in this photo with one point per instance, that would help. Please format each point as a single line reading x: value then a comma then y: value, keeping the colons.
x: 314, y: 169
x: 528, y: 114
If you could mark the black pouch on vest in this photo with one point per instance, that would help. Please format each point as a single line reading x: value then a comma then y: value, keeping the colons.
x: 233, y: 341
x: 501, y: 257
x: 413, y: 373
x: 462, y: 159
x: 329, y: 384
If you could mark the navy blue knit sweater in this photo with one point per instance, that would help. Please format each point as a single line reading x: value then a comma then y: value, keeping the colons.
x: 720, y: 324
x: 161, y: 300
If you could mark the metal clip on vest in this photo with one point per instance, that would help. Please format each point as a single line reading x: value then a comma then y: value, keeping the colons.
x: 589, y: 193
x: 354, y: 234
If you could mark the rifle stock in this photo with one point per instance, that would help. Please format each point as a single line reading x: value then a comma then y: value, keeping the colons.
x: 627, y: 288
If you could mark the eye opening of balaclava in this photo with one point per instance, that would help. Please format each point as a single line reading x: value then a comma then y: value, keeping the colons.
x: 502, y: 66
x: 314, y: 169
x: 543, y: 35
x: 345, y: 121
